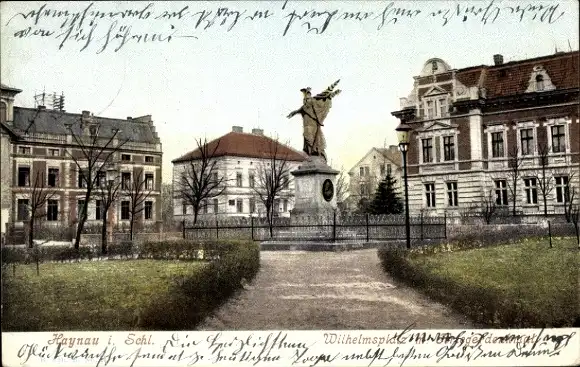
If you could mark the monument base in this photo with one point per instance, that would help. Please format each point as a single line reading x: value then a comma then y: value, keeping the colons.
x: 314, y: 191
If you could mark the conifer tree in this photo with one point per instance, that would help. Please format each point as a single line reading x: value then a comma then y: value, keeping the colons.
x: 387, y: 200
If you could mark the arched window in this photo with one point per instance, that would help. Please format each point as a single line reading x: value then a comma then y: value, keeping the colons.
x: 539, y: 82
x: 3, y: 112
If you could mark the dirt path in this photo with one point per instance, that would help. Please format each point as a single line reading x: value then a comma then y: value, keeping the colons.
x: 328, y: 290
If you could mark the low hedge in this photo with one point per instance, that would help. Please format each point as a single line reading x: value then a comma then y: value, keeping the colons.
x: 193, y: 298
x: 159, y: 250
x: 483, y: 305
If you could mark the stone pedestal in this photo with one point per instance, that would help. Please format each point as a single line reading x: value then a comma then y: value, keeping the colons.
x: 309, y: 181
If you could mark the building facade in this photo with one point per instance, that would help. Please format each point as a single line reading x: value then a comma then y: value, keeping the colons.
x: 367, y: 173
x: 41, y: 151
x: 240, y: 157
x: 472, y: 126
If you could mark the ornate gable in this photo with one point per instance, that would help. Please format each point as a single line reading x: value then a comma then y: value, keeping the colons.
x: 539, y: 80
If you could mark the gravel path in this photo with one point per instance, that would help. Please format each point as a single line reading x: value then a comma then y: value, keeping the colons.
x: 328, y: 290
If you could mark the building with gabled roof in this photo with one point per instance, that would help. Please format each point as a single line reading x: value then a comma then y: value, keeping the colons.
x: 369, y: 171
x: 238, y: 155
x: 38, y: 142
x: 468, y: 125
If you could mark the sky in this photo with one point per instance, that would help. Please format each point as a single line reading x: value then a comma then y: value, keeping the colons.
x: 215, y: 72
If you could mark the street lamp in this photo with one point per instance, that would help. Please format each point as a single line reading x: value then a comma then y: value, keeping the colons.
x: 403, y: 131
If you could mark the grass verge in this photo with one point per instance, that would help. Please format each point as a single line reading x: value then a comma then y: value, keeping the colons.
x: 524, y: 284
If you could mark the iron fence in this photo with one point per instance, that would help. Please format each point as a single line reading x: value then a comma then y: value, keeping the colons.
x: 334, y: 228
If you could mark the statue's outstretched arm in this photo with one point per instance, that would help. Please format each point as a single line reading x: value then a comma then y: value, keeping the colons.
x: 291, y: 114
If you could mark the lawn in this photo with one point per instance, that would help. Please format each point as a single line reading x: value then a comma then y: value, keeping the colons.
x: 541, y: 279
x: 87, y: 295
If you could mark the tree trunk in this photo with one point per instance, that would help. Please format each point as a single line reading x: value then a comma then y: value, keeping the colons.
x: 131, y: 227
x: 195, y: 210
x: 545, y: 205
x: 81, y: 224
x: 31, y: 232
x: 514, y: 199
x: 104, y: 234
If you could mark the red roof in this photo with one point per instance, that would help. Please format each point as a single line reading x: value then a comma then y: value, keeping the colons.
x: 246, y: 145
x: 513, y: 77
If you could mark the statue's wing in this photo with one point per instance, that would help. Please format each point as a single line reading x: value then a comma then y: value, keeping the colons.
x: 328, y: 92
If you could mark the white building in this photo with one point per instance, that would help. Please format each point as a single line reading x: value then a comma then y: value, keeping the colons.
x: 366, y: 175
x: 240, y: 156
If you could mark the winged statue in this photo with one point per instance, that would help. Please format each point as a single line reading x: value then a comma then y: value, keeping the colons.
x: 314, y: 111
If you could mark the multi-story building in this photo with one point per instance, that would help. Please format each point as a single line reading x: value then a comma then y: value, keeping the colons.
x: 40, y: 143
x: 240, y: 157
x: 471, y: 125
x: 367, y: 173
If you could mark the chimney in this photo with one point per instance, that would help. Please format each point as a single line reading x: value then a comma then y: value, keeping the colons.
x: 86, y: 113
x: 498, y: 59
x: 129, y: 118
x: 393, y: 148
x: 237, y: 129
x: 42, y: 107
x: 257, y: 131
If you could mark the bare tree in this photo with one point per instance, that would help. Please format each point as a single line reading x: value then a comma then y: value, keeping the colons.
x: 107, y: 194
x: 95, y: 153
x: 575, y: 216
x: 39, y: 197
x: 514, y: 173
x: 341, y: 189
x: 138, y: 193
x: 543, y: 175
x: 201, y: 179
x: 272, y: 178
x: 488, y: 207
x: 569, y: 195
x: 167, y: 204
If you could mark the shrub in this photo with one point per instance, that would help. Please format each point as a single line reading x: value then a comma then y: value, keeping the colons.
x: 194, y: 298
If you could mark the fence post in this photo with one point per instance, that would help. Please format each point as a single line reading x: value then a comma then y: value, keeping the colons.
x: 183, y: 228
x: 217, y: 229
x: 421, y: 226
x: 334, y: 227
x: 550, y: 233
x: 252, y: 226
x: 367, y: 227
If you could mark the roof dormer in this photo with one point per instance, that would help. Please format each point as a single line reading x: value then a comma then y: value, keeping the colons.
x: 539, y: 80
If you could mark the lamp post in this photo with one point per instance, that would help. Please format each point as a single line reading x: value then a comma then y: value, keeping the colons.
x: 403, y: 131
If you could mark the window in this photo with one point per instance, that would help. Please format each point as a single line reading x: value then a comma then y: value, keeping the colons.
x: 364, y: 171
x: 92, y: 131
x: 52, y: 210
x: 382, y: 169
x: 101, y: 179
x: 98, y: 209
x: 126, y: 157
x: 531, y: 190
x: 215, y: 177
x: 24, y: 150
x: 497, y: 144
x: 52, y: 177
x: 562, y: 189
x: 148, y: 159
x: 363, y: 189
x: 81, y: 207
x: 54, y: 152
x: 3, y: 115
x: 183, y: 207
x: 527, y: 140
x: 126, y: 181
x: 285, y: 182
x: 124, y: 210
x: 239, y: 179
x: 443, y: 109
x: 149, y: 209
x: 22, y: 213
x: 558, y: 139
x: 427, y: 150
x: 501, y: 192
x: 240, y: 206
x: 430, y: 109
x: 252, y: 205
x: 82, y: 179
x: 448, y: 148
x: 215, y: 206
x: 539, y: 82
x: 430, y: 195
x: 149, y: 181
x: 204, y: 206
x: 252, y: 180
x: 285, y: 205
x: 452, y: 193
x: 232, y: 202
x: 23, y: 176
